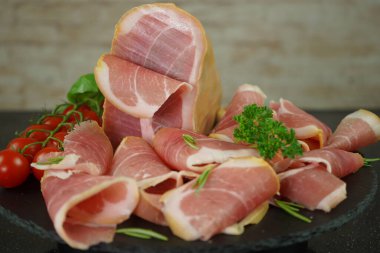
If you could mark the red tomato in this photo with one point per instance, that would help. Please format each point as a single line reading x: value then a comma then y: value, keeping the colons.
x: 60, y: 136
x: 52, y: 121
x: 37, y: 134
x: 75, y: 116
x: 14, y: 168
x: 39, y: 173
x: 18, y: 144
x: 91, y: 115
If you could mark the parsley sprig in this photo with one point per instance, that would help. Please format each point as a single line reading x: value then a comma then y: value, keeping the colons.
x: 256, y: 126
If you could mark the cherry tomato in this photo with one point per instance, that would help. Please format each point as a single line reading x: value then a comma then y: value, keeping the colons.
x: 52, y: 121
x: 38, y: 174
x: 18, y: 144
x: 38, y: 135
x: 60, y: 136
x: 81, y: 108
x: 75, y: 116
x: 14, y: 168
x: 91, y: 115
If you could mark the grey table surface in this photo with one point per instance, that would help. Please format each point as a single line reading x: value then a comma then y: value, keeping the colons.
x: 359, y: 235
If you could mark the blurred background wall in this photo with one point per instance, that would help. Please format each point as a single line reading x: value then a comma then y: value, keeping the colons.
x: 319, y: 54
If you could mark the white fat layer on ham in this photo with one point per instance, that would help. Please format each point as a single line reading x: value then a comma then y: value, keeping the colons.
x: 253, y: 88
x: 370, y: 118
x: 292, y: 172
x: 68, y: 161
x: 333, y: 199
x: 147, y: 129
x: 221, y: 137
x: 153, y: 181
x: 180, y: 224
x: 207, y: 155
x: 127, y: 205
x: 317, y: 160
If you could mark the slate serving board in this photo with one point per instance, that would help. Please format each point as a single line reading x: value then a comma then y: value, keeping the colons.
x: 25, y: 207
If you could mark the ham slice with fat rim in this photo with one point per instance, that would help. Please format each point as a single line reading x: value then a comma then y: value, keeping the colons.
x: 243, y: 183
x: 86, y: 149
x: 358, y: 129
x: 171, y: 146
x: 170, y: 41
x: 85, y: 208
x: 313, y: 187
x: 307, y: 128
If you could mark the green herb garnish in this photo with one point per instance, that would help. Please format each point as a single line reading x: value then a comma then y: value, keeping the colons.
x: 52, y: 160
x: 142, y: 233
x: 292, y: 209
x: 256, y: 126
x: 201, y: 180
x: 190, y: 141
x: 368, y: 161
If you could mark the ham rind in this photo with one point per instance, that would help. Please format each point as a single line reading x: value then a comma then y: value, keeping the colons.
x: 338, y: 162
x: 169, y: 41
x: 243, y: 183
x: 85, y: 209
x: 170, y: 145
x: 312, y: 187
x: 136, y: 159
x: 307, y: 128
x: 358, y: 129
x: 86, y: 149
x: 133, y: 89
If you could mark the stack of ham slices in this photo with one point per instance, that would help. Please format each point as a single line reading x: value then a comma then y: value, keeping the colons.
x: 161, y: 85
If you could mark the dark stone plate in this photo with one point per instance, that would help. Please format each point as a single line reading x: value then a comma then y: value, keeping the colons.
x: 25, y: 207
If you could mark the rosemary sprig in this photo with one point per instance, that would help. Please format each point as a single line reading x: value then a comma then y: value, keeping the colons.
x: 190, y: 141
x: 202, y: 179
x: 142, y: 233
x: 368, y: 161
x: 52, y: 160
x: 292, y: 209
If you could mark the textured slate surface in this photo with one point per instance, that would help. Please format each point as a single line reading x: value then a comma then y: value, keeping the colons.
x: 33, y: 229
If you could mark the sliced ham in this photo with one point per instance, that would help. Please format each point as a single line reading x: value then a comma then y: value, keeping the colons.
x: 358, y: 129
x: 86, y: 149
x: 313, y: 187
x: 338, y: 162
x: 136, y: 159
x: 85, y: 209
x: 307, y: 128
x: 171, y: 42
x: 169, y: 143
x: 243, y: 183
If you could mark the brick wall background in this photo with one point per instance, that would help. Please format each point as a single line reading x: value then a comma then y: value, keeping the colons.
x: 320, y: 54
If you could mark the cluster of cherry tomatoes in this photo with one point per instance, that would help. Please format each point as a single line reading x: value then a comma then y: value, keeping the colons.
x: 45, y: 136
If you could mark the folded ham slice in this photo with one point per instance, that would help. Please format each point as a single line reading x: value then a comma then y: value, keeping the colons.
x: 171, y: 146
x: 338, y: 162
x: 86, y: 149
x: 313, y: 187
x: 136, y: 159
x: 85, y: 208
x: 308, y: 128
x: 164, y: 43
x: 243, y: 183
x: 358, y: 129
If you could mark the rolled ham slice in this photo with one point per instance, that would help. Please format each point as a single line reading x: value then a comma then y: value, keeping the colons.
x: 170, y: 145
x: 136, y: 159
x: 170, y: 41
x: 85, y: 209
x: 243, y: 183
x: 338, y: 162
x: 87, y: 149
x: 307, y: 128
x: 358, y: 129
x: 313, y: 187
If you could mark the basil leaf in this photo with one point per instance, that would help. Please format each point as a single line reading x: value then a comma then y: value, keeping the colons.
x: 86, y: 91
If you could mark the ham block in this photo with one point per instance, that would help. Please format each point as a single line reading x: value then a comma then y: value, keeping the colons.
x: 136, y: 159
x: 243, y: 183
x: 170, y: 145
x: 312, y: 187
x: 166, y: 43
x: 87, y: 149
x: 307, y: 128
x: 338, y: 162
x: 85, y: 209
x: 358, y: 129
